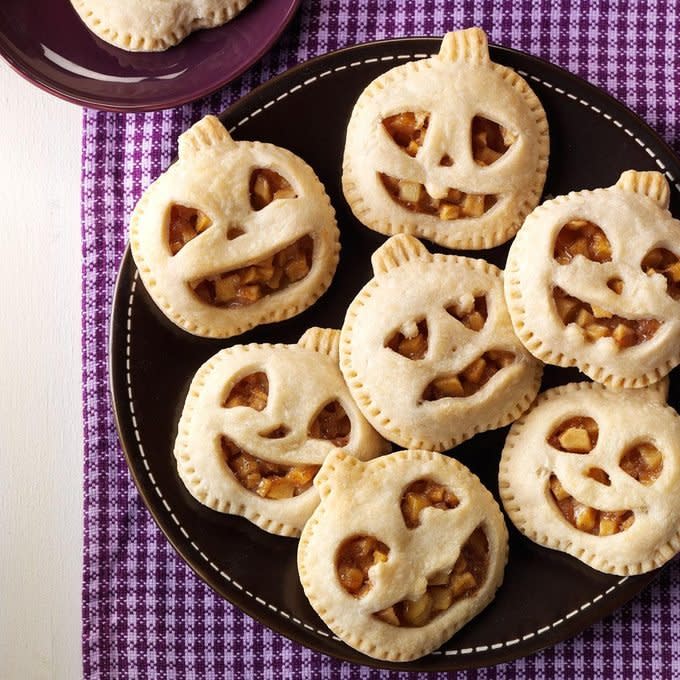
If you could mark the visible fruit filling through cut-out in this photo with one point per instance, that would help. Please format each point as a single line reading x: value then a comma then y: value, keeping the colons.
x: 586, y: 518
x: 663, y: 261
x: 267, y: 186
x: 425, y: 493
x: 455, y: 205
x: 643, y: 462
x: 489, y: 140
x: 251, y: 391
x: 575, y: 435
x: 471, y: 379
x: 244, y: 286
x: 185, y: 224
x: 599, y: 475
x: 355, y: 557
x: 266, y: 479
x: 408, y: 130
x: 581, y: 237
x: 413, y: 347
x: 597, y: 323
x: 472, y: 315
x: 332, y: 423
x: 616, y: 285
x: 446, y: 588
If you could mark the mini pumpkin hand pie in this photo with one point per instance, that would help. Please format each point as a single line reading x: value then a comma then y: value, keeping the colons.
x: 594, y: 472
x: 401, y: 552
x: 593, y: 280
x: 153, y: 25
x: 234, y: 234
x: 259, y: 421
x: 453, y: 148
x: 428, y: 350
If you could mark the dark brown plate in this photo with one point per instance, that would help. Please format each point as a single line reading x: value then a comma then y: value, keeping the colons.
x: 547, y: 596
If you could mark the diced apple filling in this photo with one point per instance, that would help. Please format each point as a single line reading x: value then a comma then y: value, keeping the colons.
x: 267, y: 186
x: 425, y: 493
x: 663, y: 261
x: 596, y: 323
x: 471, y: 379
x: 244, y: 286
x: 185, y: 224
x: 414, y: 347
x: 267, y: 479
x: 588, y: 519
x: 251, y: 391
x: 455, y: 205
x: 489, y: 140
x: 575, y: 435
x: 355, y: 557
x: 444, y: 589
x: 407, y: 130
x: 471, y: 316
x: 643, y: 462
x: 581, y: 237
x: 332, y: 423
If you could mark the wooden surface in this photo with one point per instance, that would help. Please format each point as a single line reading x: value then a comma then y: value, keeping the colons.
x: 40, y: 400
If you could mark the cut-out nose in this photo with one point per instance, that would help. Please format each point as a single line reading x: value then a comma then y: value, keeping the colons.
x: 279, y: 432
x: 599, y: 475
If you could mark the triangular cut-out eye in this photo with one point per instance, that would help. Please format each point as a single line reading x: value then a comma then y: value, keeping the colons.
x: 643, y: 462
x: 490, y: 140
x: 581, y: 237
x: 425, y: 493
x: 267, y: 186
x: 332, y: 424
x: 412, y: 346
x: 251, y: 391
x: 185, y: 224
x: 408, y: 130
x: 575, y: 435
x: 663, y: 261
x: 472, y: 315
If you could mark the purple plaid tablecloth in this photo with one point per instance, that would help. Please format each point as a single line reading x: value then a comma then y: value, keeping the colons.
x: 145, y: 614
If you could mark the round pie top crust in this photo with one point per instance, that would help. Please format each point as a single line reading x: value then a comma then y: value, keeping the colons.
x: 592, y: 280
x: 594, y: 472
x: 453, y: 148
x: 401, y: 552
x: 428, y: 350
x: 259, y: 421
x: 233, y: 234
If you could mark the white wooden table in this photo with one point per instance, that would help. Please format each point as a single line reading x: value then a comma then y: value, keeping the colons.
x: 41, y: 456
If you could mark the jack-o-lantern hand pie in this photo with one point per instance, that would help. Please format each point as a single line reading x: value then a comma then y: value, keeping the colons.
x: 257, y: 424
x: 453, y: 148
x: 428, y: 350
x: 153, y: 25
x: 401, y: 552
x: 234, y: 234
x: 593, y: 281
x: 594, y: 472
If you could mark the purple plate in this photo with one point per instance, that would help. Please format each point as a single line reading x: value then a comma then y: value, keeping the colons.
x: 47, y: 43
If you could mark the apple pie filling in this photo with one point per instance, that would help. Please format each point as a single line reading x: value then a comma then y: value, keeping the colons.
x: 446, y: 588
x: 355, y: 557
x: 643, y: 462
x: 267, y: 479
x: 575, y: 435
x: 596, y: 323
x: 267, y: 186
x: 581, y: 237
x: 471, y: 379
x: 251, y: 391
x: 663, y: 261
x: 185, y: 224
x: 412, y: 346
x: 472, y: 315
x: 425, y: 493
x: 244, y: 286
x: 332, y: 423
x: 489, y: 140
x: 408, y: 130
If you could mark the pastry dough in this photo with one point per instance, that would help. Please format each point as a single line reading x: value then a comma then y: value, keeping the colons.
x: 428, y: 350
x: 592, y: 280
x: 594, y: 472
x: 234, y: 234
x: 401, y: 552
x: 259, y: 421
x: 453, y: 148
x: 153, y: 25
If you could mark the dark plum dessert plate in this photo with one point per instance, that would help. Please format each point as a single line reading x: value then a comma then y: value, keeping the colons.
x: 547, y: 596
x: 47, y: 43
